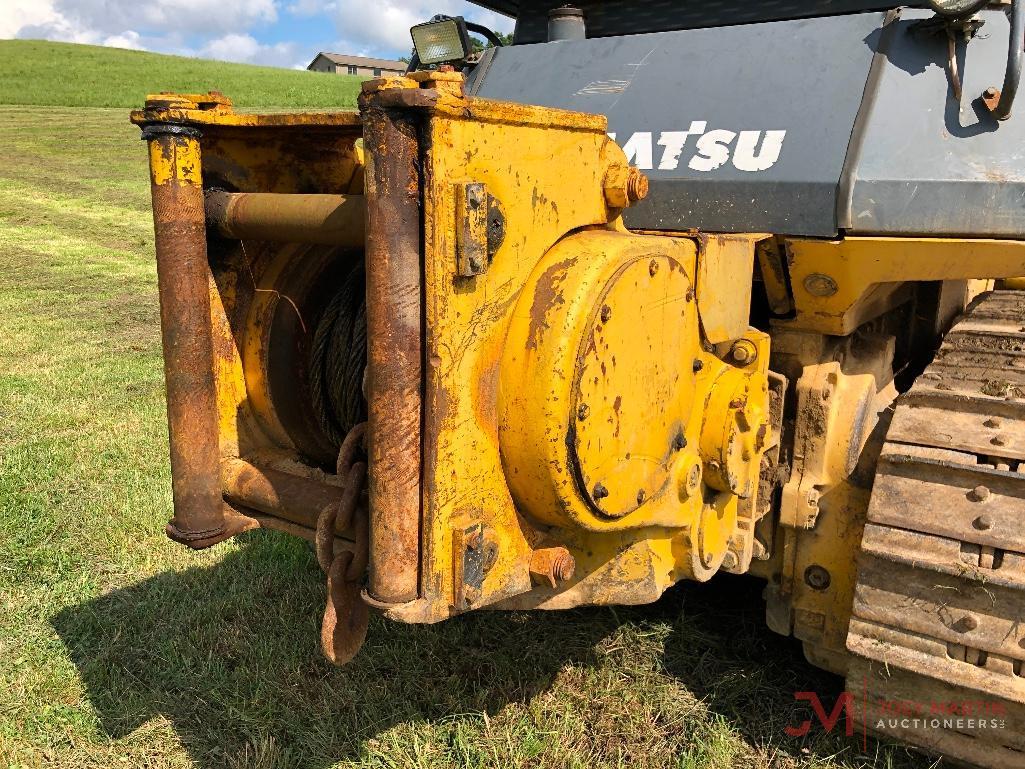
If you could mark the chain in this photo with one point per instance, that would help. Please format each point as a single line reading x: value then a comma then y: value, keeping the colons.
x: 345, y: 616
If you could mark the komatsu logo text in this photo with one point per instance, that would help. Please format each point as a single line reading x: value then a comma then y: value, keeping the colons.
x: 701, y: 150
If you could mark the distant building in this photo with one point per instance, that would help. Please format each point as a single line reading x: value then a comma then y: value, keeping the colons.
x: 340, y: 64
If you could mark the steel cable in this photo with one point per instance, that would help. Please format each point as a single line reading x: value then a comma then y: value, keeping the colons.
x: 338, y: 359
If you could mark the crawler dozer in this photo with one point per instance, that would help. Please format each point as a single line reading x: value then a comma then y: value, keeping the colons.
x: 659, y: 291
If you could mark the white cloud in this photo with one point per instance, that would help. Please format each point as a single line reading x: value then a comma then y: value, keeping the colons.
x: 16, y: 14
x: 246, y: 48
x: 213, y: 17
x: 127, y: 39
x: 382, y: 27
x: 230, y: 29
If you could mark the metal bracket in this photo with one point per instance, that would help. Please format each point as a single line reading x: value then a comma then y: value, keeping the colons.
x: 480, y: 228
x: 1000, y: 102
x: 475, y: 552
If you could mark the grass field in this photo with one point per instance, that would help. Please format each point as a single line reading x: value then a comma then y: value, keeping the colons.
x: 63, y: 74
x: 118, y: 648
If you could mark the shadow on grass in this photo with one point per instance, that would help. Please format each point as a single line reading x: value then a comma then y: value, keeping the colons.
x: 229, y: 655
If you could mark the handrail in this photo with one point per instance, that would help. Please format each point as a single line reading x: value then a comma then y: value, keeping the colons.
x: 1015, y: 56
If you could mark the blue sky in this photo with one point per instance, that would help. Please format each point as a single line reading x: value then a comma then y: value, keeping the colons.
x: 280, y: 33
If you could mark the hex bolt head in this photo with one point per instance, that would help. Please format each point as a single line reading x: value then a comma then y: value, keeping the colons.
x: 743, y: 352
x: 606, y: 313
x: 680, y: 441
x: 653, y: 268
x: 820, y: 285
x: 968, y: 622
x: 983, y: 523
x: 599, y: 492
x: 552, y: 565
x: 582, y: 411
x: 992, y: 422
x: 636, y: 185
x: 817, y: 578
x: 998, y: 440
x: 990, y: 92
x: 697, y: 365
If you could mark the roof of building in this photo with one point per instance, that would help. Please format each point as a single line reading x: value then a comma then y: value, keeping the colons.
x: 360, y: 61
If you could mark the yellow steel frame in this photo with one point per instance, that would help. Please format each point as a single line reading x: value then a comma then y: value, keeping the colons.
x: 840, y: 284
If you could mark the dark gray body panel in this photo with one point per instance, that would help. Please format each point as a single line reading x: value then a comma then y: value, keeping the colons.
x: 608, y: 18
x: 927, y: 167
x: 914, y: 166
x: 756, y: 77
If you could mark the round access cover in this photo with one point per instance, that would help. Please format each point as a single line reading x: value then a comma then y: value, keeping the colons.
x: 634, y: 384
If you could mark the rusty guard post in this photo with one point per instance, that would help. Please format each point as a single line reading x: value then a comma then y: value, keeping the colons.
x: 201, y: 517
x: 394, y: 350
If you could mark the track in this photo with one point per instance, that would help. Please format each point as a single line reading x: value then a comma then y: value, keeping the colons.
x: 938, y: 628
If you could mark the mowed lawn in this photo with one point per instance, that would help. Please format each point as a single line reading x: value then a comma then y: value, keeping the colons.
x: 118, y: 648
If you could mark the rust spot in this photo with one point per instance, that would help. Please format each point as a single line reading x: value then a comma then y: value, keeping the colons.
x: 547, y: 295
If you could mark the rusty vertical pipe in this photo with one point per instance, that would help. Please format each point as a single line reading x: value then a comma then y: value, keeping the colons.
x: 394, y: 367
x: 200, y: 517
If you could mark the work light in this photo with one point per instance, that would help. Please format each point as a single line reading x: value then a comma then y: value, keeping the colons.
x: 956, y: 8
x: 441, y: 41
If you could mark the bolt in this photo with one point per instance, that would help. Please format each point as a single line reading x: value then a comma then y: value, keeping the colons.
x: 992, y: 422
x: 623, y: 186
x: 652, y: 268
x: 968, y: 622
x: 680, y: 441
x: 636, y: 185
x: 998, y: 440
x: 730, y: 560
x: 817, y: 578
x: 820, y: 285
x: 983, y: 523
x: 990, y: 92
x: 743, y: 352
x: 606, y: 313
x: 640, y: 496
x: 979, y: 494
x: 697, y: 365
x: 552, y: 565
x: 582, y: 411
x: 600, y: 492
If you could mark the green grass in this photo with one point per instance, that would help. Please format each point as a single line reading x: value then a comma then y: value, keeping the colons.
x: 68, y: 75
x: 119, y: 648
